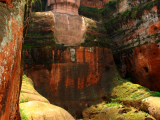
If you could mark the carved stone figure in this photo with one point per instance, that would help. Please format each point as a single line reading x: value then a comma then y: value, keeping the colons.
x: 64, y: 6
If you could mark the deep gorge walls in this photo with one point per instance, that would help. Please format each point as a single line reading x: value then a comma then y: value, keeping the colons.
x: 134, y: 36
x: 11, y: 33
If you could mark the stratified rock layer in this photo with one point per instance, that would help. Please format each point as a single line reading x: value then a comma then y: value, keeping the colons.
x: 11, y: 33
x: 135, y: 44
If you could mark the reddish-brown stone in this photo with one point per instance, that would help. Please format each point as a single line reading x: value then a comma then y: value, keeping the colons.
x: 10, y: 64
x: 8, y: 2
x: 68, y: 6
x: 143, y: 65
x: 69, y: 83
x: 94, y: 3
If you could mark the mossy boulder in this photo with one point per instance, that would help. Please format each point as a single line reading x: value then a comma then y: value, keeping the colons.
x: 129, y: 91
x: 115, y: 112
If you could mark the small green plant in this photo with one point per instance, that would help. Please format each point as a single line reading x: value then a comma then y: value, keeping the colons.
x: 129, y: 79
x: 146, y: 114
x: 120, y: 32
x: 113, y: 104
x: 23, y: 114
x: 23, y: 100
x: 157, y: 41
x: 155, y: 93
x: 24, y: 76
x: 138, y: 45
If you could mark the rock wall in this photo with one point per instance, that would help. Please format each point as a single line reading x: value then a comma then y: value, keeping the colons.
x: 11, y: 33
x: 135, y: 44
x: 94, y: 3
x: 77, y: 77
x: 74, y: 76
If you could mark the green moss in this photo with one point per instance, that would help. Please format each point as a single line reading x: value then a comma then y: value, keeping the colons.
x: 23, y: 100
x: 155, y: 93
x: 90, y: 12
x: 157, y: 41
x: 120, y: 32
x: 113, y: 104
x: 133, y: 13
x: 23, y: 114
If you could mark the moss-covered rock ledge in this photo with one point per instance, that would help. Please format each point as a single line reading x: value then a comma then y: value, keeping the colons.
x: 127, y: 101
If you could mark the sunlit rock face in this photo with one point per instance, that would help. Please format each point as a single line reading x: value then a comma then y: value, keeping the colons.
x: 69, y: 30
x: 68, y: 6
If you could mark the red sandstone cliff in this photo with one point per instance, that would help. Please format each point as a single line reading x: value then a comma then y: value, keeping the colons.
x: 137, y: 27
x: 94, y: 3
x: 10, y: 59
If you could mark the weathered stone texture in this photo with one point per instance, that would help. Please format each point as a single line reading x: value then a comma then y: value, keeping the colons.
x: 136, y: 51
x: 68, y: 6
x: 10, y: 60
x: 46, y: 28
x: 94, y: 3
x: 126, y: 4
x: 72, y: 78
x: 142, y: 64
x: 137, y: 32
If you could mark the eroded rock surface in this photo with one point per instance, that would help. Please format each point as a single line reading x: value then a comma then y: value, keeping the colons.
x: 34, y: 106
x: 69, y: 30
x: 116, y: 112
x: 153, y: 106
x: 87, y: 77
x: 11, y: 33
x: 36, y: 110
x: 94, y: 3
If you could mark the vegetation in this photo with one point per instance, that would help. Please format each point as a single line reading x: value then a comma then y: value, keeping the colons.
x: 23, y: 114
x: 132, y: 13
x: 155, y: 93
x: 23, y: 100
x: 98, y: 14
x: 112, y: 104
x: 90, y: 12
